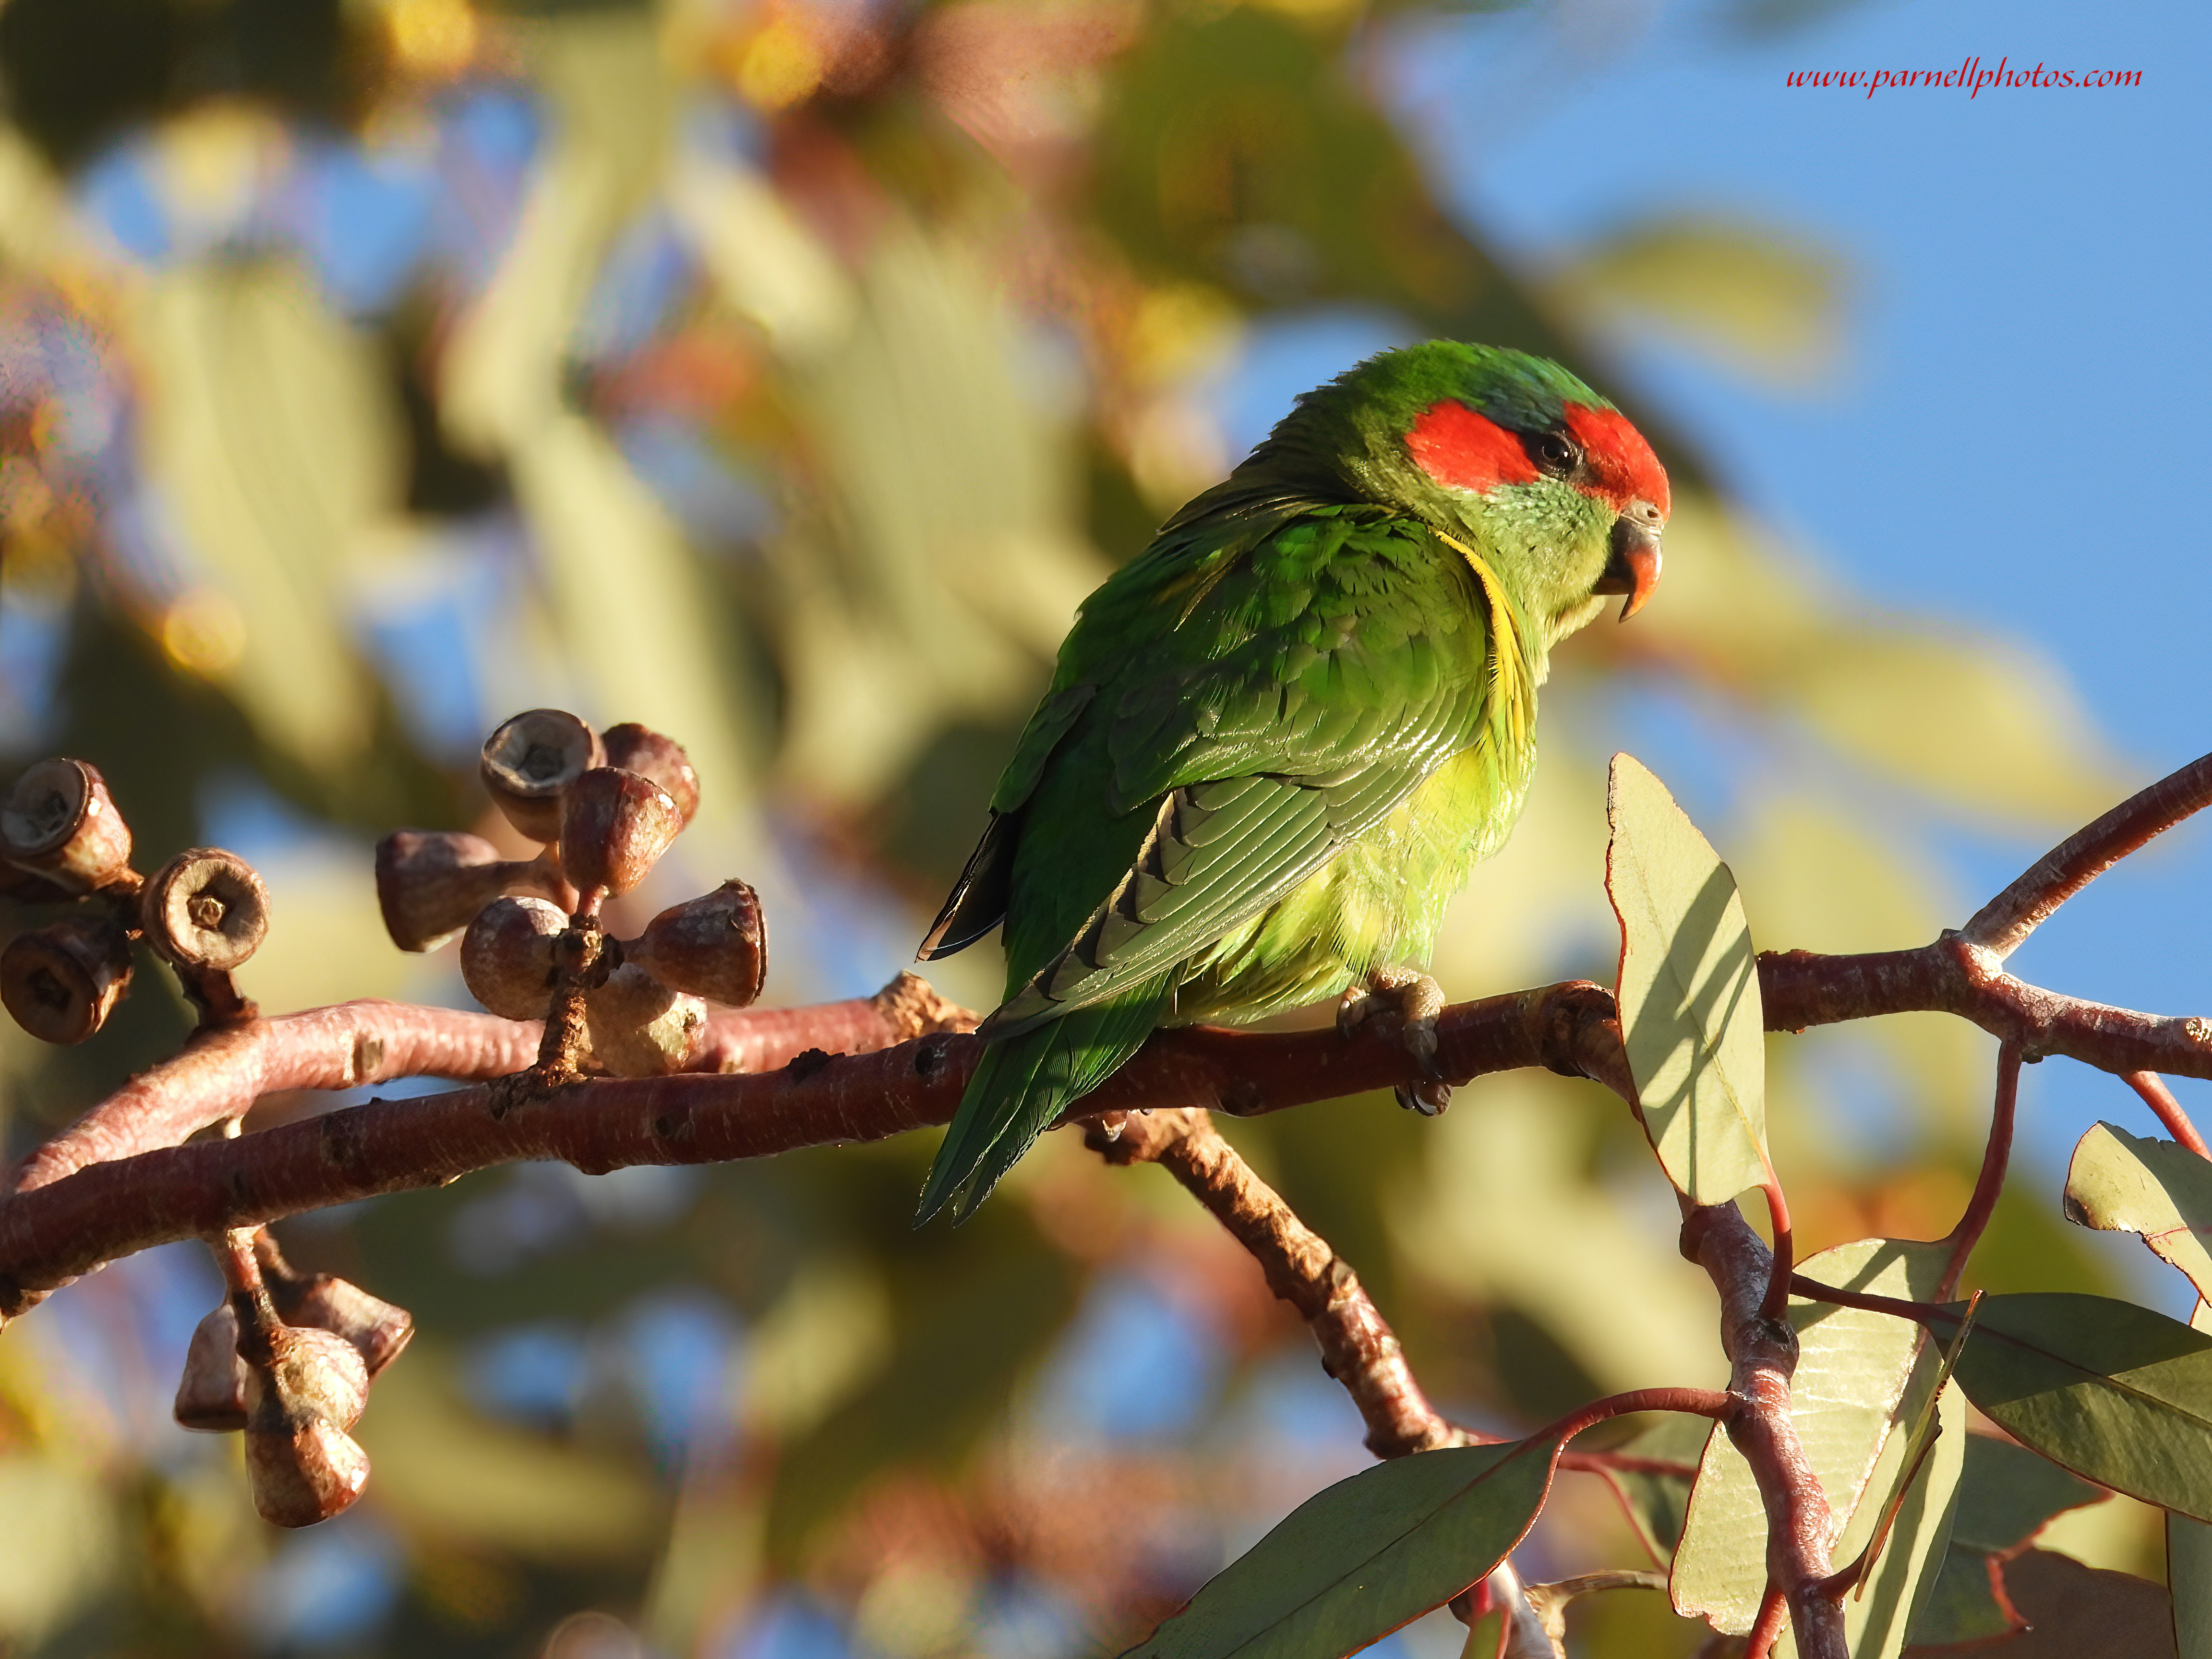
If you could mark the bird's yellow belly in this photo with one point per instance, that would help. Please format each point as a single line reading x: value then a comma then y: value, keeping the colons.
x: 1380, y: 901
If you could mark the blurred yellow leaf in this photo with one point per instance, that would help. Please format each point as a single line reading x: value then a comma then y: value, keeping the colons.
x: 58, y: 1541
x: 1978, y: 725
x: 1766, y: 303
x: 271, y: 435
x: 445, y: 1473
x: 1505, y: 1211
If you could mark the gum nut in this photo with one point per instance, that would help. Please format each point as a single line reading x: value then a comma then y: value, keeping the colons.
x: 431, y: 883
x: 205, y: 909
x: 529, y: 763
x: 61, y: 982
x: 617, y: 826
x: 640, y: 749
x: 303, y: 1469
x: 377, y: 1330
x: 211, y: 1397
x: 507, y: 956
x: 59, y: 821
x: 309, y: 1370
x: 638, y: 1027
x: 715, y: 946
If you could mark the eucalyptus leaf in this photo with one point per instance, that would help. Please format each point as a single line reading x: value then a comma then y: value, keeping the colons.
x: 2009, y: 1494
x: 1966, y: 1603
x: 2110, y: 1391
x: 1369, y: 1553
x: 2189, y: 1560
x: 1853, y: 1367
x: 1690, y: 1012
x: 2118, y: 1183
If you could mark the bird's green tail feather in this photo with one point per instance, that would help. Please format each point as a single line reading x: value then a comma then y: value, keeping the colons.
x: 1024, y: 1083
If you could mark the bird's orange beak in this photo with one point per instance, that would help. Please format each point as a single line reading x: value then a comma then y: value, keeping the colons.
x: 1634, y: 567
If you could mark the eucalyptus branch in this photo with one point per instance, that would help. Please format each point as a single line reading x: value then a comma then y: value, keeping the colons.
x: 1989, y: 1186
x: 2000, y: 926
x: 1762, y: 1357
x: 1357, y: 1347
x: 2160, y: 1098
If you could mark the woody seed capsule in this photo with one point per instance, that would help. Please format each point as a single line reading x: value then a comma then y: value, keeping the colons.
x: 640, y: 749
x: 62, y: 982
x: 205, y: 909
x: 529, y: 763
x: 507, y: 956
x: 212, y: 1395
x: 715, y: 946
x: 59, y: 821
x: 638, y: 1027
x: 615, y: 829
x: 430, y: 883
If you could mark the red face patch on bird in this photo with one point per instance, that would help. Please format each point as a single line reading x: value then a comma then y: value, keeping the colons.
x: 1619, y: 462
x: 1463, y: 450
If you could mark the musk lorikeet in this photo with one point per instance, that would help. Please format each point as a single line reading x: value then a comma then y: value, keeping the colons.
x: 1280, y: 739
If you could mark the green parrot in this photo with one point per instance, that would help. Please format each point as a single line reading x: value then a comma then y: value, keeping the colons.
x: 1280, y: 739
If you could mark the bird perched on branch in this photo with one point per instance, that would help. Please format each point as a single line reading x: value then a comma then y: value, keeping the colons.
x: 1280, y: 739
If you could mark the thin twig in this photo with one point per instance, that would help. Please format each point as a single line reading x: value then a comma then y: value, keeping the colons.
x: 2160, y: 1098
x: 1766, y: 1629
x: 2006, y: 920
x: 1989, y: 1186
x: 1762, y: 1359
x: 1357, y: 1347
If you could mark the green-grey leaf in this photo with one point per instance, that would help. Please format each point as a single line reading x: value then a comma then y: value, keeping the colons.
x: 1352, y: 1563
x: 1689, y: 991
x: 2010, y: 1494
x: 1878, y: 1621
x: 2111, y: 1391
x: 2006, y: 1497
x: 2118, y: 1183
x: 1659, y: 1503
x: 1852, y: 1369
x: 2189, y: 1560
x: 1962, y: 1606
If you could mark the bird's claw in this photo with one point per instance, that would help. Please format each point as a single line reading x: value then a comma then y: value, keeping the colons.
x: 1414, y: 1000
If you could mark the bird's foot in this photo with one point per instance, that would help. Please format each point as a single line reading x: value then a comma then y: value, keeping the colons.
x: 1412, y: 999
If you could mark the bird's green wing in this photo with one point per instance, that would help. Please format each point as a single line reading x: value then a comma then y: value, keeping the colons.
x: 1299, y: 691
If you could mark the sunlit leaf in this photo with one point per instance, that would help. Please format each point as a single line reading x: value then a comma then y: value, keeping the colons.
x: 2110, y: 1391
x: 2119, y: 1182
x: 1852, y: 1372
x: 1880, y: 1615
x: 1689, y: 991
x: 1371, y: 1554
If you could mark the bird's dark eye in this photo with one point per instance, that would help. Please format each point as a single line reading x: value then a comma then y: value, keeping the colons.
x: 1555, y: 452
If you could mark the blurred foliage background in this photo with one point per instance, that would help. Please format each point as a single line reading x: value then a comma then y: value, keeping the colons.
x: 782, y: 374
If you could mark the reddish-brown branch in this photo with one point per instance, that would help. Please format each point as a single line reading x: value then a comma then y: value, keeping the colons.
x: 1766, y: 1629
x: 2000, y: 926
x: 1762, y: 1357
x: 1989, y: 1186
x: 1357, y: 1347
x: 1776, y: 1302
x: 222, y: 1070
x: 2160, y: 1098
